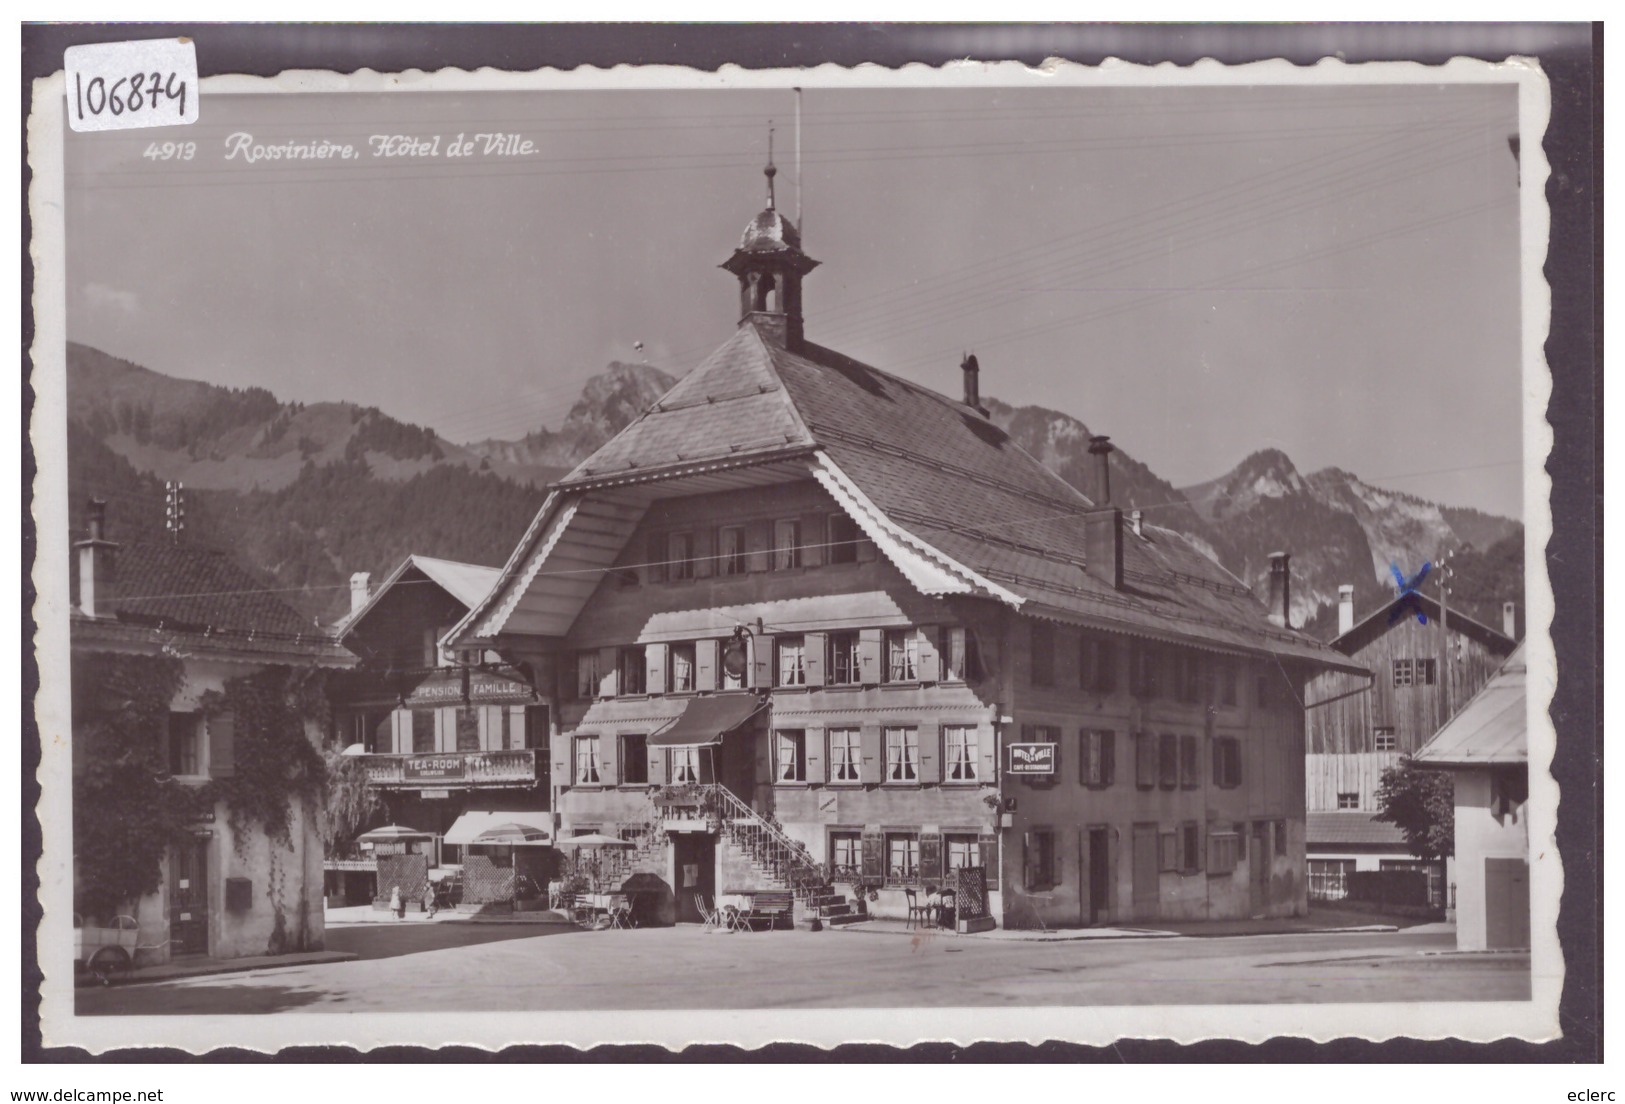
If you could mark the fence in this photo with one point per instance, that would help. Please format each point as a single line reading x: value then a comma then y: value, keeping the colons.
x: 1389, y: 887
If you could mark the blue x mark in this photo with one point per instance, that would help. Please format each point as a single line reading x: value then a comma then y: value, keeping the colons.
x: 1409, y: 593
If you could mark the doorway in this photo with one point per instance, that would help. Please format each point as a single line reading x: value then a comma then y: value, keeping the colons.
x: 1506, y: 904
x: 694, y: 855
x: 1258, y: 866
x: 1100, y: 875
x: 1145, y: 871
x: 189, y: 897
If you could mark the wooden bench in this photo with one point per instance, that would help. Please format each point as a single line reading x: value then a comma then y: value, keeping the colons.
x: 766, y: 907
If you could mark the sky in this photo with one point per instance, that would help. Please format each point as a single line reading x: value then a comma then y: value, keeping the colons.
x: 1199, y: 272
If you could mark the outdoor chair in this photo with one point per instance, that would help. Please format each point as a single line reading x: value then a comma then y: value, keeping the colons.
x: 918, y: 913
x: 710, y: 916
x: 620, y: 911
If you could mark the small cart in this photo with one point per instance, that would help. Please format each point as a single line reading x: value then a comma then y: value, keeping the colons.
x: 107, y: 953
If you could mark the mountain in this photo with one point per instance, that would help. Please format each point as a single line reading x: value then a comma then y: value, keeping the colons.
x: 608, y: 402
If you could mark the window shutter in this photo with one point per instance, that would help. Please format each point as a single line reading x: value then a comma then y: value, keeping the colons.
x: 988, y: 845
x: 758, y: 545
x: 1195, y: 856
x: 490, y: 728
x: 1216, y: 755
x: 563, y: 769
x: 518, y: 734
x: 400, y: 731
x: 222, y: 745
x: 1166, y: 858
x: 1108, y: 758
x: 815, y: 649
x: 609, y: 759
x: 869, y: 656
x: 1145, y: 760
x: 930, y: 753
x: 655, y: 558
x: 930, y: 666
x: 812, y: 540
x: 705, y: 551
x: 657, y: 765
x: 874, y: 859
x: 931, y: 858
x: 813, y: 743
x: 705, y: 664
x: 987, y: 746
x: 654, y: 666
x: 874, y: 764
x: 1083, y: 758
x: 763, y: 658
x: 609, y: 673
x: 445, y: 729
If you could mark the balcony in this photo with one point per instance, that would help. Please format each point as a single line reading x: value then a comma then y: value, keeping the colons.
x: 452, y: 770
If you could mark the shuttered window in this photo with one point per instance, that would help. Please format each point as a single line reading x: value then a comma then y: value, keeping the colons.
x: 1189, y: 772
x: 682, y: 668
x: 1168, y: 761
x: 844, y: 669
x: 902, y: 755
x: 962, y: 758
x: 845, y: 756
x: 792, y: 661
x: 845, y: 856
x: 731, y: 550
x: 1145, y: 760
x: 902, y: 656
x: 1038, y: 859
x: 1226, y: 762
x: 586, y: 675
x: 588, y: 772
x: 1097, y: 758
x: 902, y: 858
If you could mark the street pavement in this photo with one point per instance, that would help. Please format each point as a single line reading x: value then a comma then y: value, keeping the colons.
x: 423, y: 967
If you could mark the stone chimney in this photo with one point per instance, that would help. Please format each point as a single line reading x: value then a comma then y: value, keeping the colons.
x: 1136, y: 520
x: 98, y: 565
x: 1103, y: 546
x: 1509, y: 619
x: 972, y: 372
x: 360, y: 589
x: 1345, y: 608
x: 1280, y: 604
x: 1101, y: 449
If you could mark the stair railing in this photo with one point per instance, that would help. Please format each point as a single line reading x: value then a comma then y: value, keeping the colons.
x: 786, y: 859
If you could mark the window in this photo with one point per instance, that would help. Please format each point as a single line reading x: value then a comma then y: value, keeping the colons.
x: 680, y: 677
x: 683, y: 764
x: 1097, y: 665
x: 422, y: 731
x: 962, y: 850
x: 1041, y: 642
x: 731, y: 550
x: 185, y: 751
x: 680, y: 556
x: 1191, y: 847
x: 902, y: 656
x: 468, y: 729
x: 587, y: 675
x: 960, y: 753
x: 1404, y: 673
x: 1328, y: 879
x: 633, y: 671
x: 844, y: 668
x: 1348, y: 800
x: 587, y: 761
x: 1097, y: 755
x: 1189, y: 776
x: 902, y: 858
x: 1226, y: 762
x: 1168, y: 761
x: 902, y: 755
x: 1427, y: 672
x: 845, y: 755
x: 1190, y: 677
x: 792, y: 755
x: 1145, y: 760
x: 1223, y: 852
x: 845, y: 856
x: 634, y: 760
x: 1143, y: 673
x: 1280, y: 838
x: 786, y: 544
x: 843, y: 539
x: 792, y: 664
x: 1038, y: 859
x: 1385, y: 738
x: 956, y: 652
x: 1225, y: 675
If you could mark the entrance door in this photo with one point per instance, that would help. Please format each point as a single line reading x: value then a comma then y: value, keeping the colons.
x: 1145, y: 871
x: 695, y: 854
x: 1506, y: 903
x: 189, y: 897
x: 1100, y: 875
x: 1258, y: 868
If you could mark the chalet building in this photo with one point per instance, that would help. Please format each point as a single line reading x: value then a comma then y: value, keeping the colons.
x: 1486, y: 747
x: 807, y: 625
x: 225, y: 890
x: 1425, y: 663
x: 454, y: 743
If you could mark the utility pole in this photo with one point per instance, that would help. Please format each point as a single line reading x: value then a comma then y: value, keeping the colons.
x: 1444, y: 633
x: 174, y: 509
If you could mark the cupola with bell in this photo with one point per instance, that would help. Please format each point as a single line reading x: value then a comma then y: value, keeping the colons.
x: 769, y: 265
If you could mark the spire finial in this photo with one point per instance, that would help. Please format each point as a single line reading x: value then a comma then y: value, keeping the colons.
x: 770, y: 172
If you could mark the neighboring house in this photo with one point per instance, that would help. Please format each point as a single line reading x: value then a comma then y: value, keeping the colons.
x: 454, y: 743
x: 1485, y: 746
x: 1422, y: 669
x: 222, y: 893
x: 805, y: 624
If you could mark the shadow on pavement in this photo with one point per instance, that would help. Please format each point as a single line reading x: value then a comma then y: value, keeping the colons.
x: 369, y: 941
x: 176, y: 1000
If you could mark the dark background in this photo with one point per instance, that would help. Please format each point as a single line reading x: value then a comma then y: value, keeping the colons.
x: 1570, y: 53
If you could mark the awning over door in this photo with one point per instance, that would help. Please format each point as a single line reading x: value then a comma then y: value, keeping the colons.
x: 704, y: 720
x: 466, y: 828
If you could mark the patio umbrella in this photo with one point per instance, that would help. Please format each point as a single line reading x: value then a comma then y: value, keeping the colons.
x: 392, y: 833
x: 512, y: 833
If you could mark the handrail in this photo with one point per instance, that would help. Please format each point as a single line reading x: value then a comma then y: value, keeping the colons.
x: 785, y: 857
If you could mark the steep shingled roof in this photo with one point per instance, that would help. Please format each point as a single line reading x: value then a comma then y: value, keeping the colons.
x: 197, y: 588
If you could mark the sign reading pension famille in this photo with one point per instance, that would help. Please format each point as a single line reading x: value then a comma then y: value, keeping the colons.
x: 481, y: 688
x: 1032, y: 759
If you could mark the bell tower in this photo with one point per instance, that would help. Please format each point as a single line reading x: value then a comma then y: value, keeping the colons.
x: 769, y: 265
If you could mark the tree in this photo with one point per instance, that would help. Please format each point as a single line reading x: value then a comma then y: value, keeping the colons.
x: 1422, y: 803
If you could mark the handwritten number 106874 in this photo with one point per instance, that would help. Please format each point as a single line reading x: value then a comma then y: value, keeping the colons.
x: 133, y: 93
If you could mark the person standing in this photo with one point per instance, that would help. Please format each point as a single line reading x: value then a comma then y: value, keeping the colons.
x: 396, y: 904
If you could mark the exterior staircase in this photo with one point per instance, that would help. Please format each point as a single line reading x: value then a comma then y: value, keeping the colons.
x: 780, y: 859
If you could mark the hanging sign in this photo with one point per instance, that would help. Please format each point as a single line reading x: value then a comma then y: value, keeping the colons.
x: 1031, y: 759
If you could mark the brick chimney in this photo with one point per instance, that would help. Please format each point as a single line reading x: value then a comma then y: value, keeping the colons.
x: 1101, y: 449
x: 972, y: 372
x: 1509, y: 619
x: 1345, y: 608
x: 1103, y: 546
x: 98, y: 566
x: 360, y: 589
x: 1280, y: 604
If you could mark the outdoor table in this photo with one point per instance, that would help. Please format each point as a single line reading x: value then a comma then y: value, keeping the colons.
x: 595, y: 905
